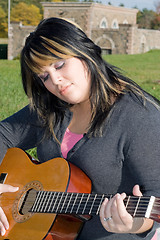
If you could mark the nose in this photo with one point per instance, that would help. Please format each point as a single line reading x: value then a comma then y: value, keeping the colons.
x: 55, y: 77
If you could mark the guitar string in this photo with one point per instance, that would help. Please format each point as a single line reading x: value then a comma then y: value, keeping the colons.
x: 133, y: 199
x: 99, y: 197
x: 130, y: 209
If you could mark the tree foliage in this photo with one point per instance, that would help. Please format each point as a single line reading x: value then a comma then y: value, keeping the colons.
x: 3, y: 23
x: 121, y: 5
x: 145, y: 18
x: 27, y: 14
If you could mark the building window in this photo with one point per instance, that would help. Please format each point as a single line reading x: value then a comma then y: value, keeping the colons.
x: 125, y: 21
x: 115, y: 24
x: 143, y: 44
x: 106, y: 51
x: 103, y: 23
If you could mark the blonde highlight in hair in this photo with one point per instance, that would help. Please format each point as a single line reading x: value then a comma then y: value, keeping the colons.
x: 55, y: 39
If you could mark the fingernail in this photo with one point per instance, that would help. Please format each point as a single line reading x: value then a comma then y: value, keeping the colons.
x: 3, y: 232
x: 7, y: 227
x: 118, y: 195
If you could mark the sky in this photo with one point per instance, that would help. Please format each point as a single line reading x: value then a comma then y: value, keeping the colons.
x: 140, y: 4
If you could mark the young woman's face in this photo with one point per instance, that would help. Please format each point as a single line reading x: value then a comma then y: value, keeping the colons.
x: 68, y: 79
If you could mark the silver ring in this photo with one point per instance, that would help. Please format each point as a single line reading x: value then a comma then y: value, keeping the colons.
x: 107, y: 219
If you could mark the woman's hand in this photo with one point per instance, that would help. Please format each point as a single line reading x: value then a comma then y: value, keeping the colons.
x: 4, y: 225
x: 115, y: 218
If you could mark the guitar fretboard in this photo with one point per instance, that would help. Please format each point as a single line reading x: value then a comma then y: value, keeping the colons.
x: 86, y: 204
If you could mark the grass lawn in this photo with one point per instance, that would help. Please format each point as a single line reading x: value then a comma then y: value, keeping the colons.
x: 12, y: 97
x: 142, y: 68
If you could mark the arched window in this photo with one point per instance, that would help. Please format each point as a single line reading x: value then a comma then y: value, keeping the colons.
x: 125, y: 21
x: 115, y: 24
x: 103, y: 23
x: 143, y: 44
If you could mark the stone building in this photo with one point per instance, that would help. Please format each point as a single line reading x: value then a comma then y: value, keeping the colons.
x: 114, y: 29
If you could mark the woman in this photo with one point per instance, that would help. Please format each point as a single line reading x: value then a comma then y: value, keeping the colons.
x: 83, y: 109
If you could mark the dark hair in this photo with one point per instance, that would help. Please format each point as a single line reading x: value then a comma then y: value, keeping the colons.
x: 56, y: 38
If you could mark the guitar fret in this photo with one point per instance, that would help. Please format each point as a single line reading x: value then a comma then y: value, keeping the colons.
x: 136, y: 207
x: 92, y: 204
x: 59, y: 202
x: 39, y: 198
x: 52, y: 199
x: 45, y: 209
x: 34, y: 207
x: 100, y: 204
x: 69, y: 203
x: 79, y: 204
x: 127, y: 202
x: 86, y: 204
x: 74, y: 202
x: 66, y: 195
x: 55, y: 202
x: 44, y: 201
x: 41, y: 201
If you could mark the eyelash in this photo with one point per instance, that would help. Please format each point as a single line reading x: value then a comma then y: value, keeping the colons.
x: 60, y: 66
x: 57, y: 68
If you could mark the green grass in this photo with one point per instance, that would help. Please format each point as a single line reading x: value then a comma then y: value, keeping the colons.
x: 12, y: 97
x: 143, y: 69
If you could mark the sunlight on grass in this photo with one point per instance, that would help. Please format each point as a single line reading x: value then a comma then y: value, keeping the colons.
x: 142, y: 68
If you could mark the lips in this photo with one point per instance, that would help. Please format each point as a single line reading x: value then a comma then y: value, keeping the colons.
x: 64, y: 89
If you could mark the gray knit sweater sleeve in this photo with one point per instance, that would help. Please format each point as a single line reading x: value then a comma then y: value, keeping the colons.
x: 19, y: 130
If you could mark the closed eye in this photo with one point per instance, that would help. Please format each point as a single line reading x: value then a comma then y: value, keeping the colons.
x: 59, y: 65
x: 44, y: 77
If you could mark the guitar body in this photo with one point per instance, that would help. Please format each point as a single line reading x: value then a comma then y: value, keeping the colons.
x: 54, y: 175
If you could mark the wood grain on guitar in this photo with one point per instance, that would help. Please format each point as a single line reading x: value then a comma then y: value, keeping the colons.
x: 54, y: 175
x: 54, y: 199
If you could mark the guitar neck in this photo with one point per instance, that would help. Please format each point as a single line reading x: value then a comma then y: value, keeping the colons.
x: 89, y: 204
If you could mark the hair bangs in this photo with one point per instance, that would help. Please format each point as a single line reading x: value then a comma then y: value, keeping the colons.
x: 49, y: 52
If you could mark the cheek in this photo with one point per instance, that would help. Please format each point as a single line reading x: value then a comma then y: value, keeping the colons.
x: 50, y: 87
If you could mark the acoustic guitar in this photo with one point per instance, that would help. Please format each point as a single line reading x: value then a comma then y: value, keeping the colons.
x: 54, y: 199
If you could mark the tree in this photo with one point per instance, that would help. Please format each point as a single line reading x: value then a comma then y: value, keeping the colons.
x: 3, y: 23
x: 121, y: 5
x: 156, y: 22
x: 145, y: 18
x: 27, y: 14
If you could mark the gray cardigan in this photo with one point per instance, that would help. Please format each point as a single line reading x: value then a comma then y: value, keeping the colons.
x: 128, y: 153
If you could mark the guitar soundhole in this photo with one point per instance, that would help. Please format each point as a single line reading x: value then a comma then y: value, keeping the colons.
x: 24, y: 201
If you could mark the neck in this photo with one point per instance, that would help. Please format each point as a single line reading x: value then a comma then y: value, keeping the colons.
x: 81, y: 118
x: 89, y: 204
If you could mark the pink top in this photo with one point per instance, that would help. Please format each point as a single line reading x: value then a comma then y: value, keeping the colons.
x: 69, y: 140
x: 155, y: 236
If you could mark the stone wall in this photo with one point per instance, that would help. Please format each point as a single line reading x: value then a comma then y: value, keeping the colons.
x: 90, y: 15
x: 114, y: 29
x: 18, y: 34
x: 145, y: 40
